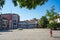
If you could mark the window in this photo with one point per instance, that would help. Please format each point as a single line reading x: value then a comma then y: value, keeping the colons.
x: 14, y: 23
x: 3, y: 24
x: 14, y: 20
x: 14, y: 17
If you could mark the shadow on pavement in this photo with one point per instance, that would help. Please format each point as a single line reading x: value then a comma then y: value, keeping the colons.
x: 6, y: 31
x: 56, y: 36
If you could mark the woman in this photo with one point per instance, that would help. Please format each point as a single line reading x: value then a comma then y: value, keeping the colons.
x: 51, y: 32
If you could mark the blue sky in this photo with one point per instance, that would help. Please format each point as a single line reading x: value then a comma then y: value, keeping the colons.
x: 26, y: 14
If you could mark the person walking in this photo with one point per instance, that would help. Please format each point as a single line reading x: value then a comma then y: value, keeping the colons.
x: 51, y: 32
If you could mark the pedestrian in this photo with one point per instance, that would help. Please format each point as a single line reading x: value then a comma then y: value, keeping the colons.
x: 51, y: 32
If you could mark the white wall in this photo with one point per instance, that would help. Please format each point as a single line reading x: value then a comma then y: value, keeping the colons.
x: 27, y: 25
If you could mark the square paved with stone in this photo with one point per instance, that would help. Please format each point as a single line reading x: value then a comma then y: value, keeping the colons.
x: 29, y: 34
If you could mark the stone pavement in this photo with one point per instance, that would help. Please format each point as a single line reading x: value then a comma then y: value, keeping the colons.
x: 29, y: 34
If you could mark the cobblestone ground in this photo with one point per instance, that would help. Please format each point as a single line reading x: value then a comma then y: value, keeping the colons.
x: 29, y: 34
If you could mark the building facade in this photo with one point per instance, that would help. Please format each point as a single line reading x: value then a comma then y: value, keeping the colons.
x: 28, y: 23
x: 24, y: 24
x: 5, y: 23
x: 13, y: 20
x: 56, y: 19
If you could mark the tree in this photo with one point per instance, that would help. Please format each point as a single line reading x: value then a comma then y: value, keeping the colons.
x: 25, y: 3
x: 2, y: 2
x: 51, y: 25
x: 43, y: 22
x: 51, y: 14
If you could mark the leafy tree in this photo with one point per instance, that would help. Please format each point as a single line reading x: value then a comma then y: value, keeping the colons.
x: 2, y: 2
x: 25, y: 3
x: 51, y: 14
x: 43, y: 22
x: 52, y: 25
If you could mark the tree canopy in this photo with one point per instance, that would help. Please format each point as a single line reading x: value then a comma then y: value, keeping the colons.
x: 43, y: 22
x: 2, y: 2
x: 25, y: 3
x: 51, y: 14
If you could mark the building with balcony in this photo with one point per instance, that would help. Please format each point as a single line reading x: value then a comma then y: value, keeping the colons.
x: 13, y: 20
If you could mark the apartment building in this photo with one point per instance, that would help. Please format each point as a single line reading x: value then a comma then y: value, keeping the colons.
x: 13, y: 20
x: 28, y: 24
x: 5, y: 23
